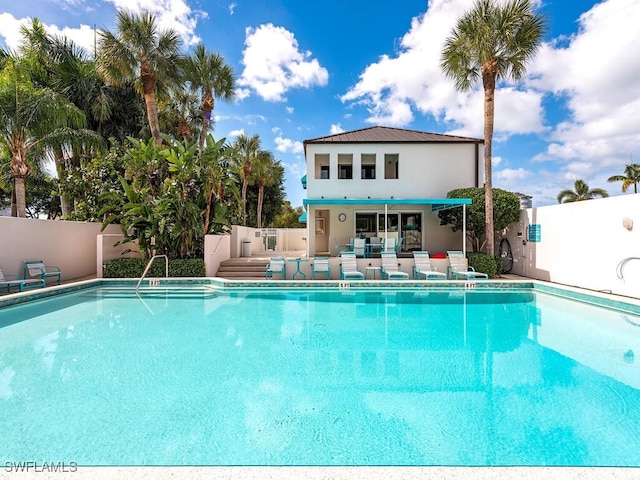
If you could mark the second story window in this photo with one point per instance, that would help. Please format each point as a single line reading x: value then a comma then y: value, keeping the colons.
x: 345, y: 166
x: 322, y: 166
x: 368, y: 166
x: 391, y: 165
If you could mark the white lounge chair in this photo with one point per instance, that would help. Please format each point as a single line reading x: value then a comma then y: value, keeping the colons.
x: 422, y: 267
x: 349, y: 267
x: 390, y: 269
x: 459, y: 269
x: 12, y: 281
x: 276, y: 266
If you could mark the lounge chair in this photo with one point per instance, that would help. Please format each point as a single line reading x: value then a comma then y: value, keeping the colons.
x: 276, y: 266
x: 422, y: 267
x: 320, y: 265
x: 37, y: 268
x: 459, y: 269
x: 349, y: 267
x: 12, y: 281
x: 390, y: 270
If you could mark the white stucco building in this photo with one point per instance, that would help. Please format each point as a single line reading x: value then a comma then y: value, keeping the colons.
x: 386, y: 182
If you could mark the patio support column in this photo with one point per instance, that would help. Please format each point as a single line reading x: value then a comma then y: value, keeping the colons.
x: 464, y: 230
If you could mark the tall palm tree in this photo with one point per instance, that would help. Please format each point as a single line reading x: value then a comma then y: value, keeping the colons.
x: 247, y: 148
x: 631, y: 177
x: 33, y: 121
x: 491, y: 42
x: 208, y: 73
x: 267, y: 171
x: 580, y: 192
x: 138, y: 52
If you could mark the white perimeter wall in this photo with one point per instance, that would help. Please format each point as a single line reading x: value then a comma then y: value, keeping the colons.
x: 582, y: 244
x: 68, y: 245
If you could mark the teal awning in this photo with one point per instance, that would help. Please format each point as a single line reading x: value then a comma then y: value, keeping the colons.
x: 436, y: 203
x: 303, y: 218
x: 304, y: 182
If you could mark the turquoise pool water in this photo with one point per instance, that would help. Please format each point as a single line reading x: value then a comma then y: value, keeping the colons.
x: 307, y: 377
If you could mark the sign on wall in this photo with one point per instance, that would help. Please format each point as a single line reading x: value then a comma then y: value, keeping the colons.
x: 534, y: 232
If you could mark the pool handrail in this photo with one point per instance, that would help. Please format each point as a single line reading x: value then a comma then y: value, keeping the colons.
x: 166, y: 268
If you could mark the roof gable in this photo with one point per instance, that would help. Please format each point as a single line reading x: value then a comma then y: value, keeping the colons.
x: 391, y: 135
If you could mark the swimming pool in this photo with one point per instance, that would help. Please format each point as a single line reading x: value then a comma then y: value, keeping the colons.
x: 205, y: 376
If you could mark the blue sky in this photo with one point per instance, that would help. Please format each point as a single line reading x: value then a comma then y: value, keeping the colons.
x: 308, y: 69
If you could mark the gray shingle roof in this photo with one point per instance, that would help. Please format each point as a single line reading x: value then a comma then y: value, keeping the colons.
x: 391, y: 135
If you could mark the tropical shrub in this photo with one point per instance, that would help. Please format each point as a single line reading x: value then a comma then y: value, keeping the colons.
x: 134, y: 268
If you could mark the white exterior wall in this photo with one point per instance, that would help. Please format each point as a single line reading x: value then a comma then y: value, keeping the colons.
x: 68, y: 245
x: 582, y: 244
x: 424, y: 170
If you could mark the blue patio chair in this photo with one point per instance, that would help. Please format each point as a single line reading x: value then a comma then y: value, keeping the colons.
x: 37, y: 268
x: 320, y: 265
x: 360, y: 247
x: 276, y: 266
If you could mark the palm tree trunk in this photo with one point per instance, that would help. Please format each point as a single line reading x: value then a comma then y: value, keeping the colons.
x: 207, y: 109
x: 260, y: 200
x: 21, y: 203
x: 65, y: 204
x: 489, y: 84
x: 152, y: 115
x: 245, y: 184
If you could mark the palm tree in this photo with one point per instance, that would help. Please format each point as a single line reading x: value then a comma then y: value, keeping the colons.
x: 139, y: 53
x: 491, y: 42
x: 33, y: 121
x: 208, y: 73
x: 581, y: 192
x: 266, y: 172
x: 631, y: 177
x: 247, y: 148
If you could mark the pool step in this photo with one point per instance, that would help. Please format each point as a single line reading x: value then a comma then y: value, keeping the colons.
x: 243, y: 269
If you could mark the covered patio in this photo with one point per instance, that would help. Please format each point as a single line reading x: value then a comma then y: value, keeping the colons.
x: 412, y: 224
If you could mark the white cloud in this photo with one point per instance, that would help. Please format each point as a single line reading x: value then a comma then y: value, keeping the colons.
x: 285, y: 145
x: 235, y: 133
x: 273, y: 63
x: 232, y: 8
x: 597, y: 75
x: 336, y: 129
x: 170, y: 14
x: 10, y: 29
x: 82, y: 36
x: 289, y: 110
x: 508, y: 175
x: 395, y: 88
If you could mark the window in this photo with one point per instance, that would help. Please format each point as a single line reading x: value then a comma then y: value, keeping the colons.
x: 368, y: 166
x: 322, y: 166
x: 345, y: 166
x: 391, y: 165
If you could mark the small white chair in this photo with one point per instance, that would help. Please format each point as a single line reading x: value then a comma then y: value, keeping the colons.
x: 349, y: 267
x: 276, y: 266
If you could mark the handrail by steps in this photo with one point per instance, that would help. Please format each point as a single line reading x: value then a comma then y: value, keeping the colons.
x: 166, y: 269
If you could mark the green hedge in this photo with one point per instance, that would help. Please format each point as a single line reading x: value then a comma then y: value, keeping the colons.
x: 134, y: 267
x: 484, y: 263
